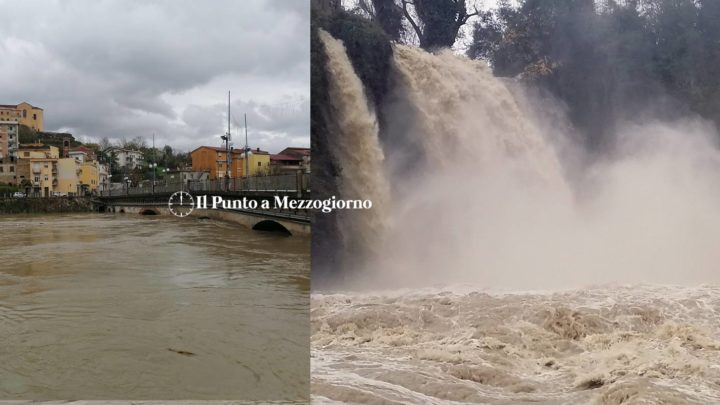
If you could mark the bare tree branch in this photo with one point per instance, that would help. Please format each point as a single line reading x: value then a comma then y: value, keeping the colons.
x: 415, y: 26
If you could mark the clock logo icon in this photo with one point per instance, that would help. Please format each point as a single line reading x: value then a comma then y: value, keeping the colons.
x: 181, y: 204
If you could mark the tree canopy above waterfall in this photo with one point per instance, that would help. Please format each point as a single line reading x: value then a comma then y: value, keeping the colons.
x: 607, y: 60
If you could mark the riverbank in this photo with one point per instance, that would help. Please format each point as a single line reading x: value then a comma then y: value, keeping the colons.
x: 45, y: 205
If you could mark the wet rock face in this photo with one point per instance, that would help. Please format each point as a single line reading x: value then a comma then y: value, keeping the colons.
x: 370, y: 53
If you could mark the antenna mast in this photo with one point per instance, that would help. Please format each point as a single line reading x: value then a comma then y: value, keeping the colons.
x: 247, y: 163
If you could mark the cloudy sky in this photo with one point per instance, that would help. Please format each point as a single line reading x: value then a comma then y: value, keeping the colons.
x: 127, y: 68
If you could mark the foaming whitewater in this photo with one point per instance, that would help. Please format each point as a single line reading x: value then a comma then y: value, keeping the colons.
x: 497, y: 279
x: 357, y: 148
x: 619, y: 345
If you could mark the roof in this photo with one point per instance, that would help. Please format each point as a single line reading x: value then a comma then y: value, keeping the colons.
x: 31, y: 106
x: 281, y: 157
x: 294, y: 151
x: 37, y: 146
x: 82, y: 149
x: 256, y: 151
x: 15, y: 106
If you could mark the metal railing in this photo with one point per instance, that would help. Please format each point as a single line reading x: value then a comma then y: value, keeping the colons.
x: 295, y: 183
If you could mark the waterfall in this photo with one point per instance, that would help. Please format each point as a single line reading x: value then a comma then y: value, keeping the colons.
x: 357, y: 150
x: 485, y: 199
x: 463, y: 111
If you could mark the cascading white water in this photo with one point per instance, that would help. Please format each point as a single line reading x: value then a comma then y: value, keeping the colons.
x: 358, y: 151
x: 465, y: 115
x: 482, y: 200
x: 488, y: 202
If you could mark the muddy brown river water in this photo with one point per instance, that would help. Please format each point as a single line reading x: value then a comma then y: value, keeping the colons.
x: 130, y: 307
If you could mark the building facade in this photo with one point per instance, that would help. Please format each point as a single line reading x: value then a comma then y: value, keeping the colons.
x: 126, y: 158
x: 89, y: 176
x: 27, y: 114
x: 214, y: 161
x: 103, y: 177
x: 68, y: 175
x: 81, y: 153
x: 258, y: 163
x: 37, y: 164
x: 9, y: 134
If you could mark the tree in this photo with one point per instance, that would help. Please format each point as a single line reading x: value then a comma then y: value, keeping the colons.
x: 136, y: 143
x: 105, y: 143
x: 387, y: 14
x: 438, y: 21
x: 27, y: 134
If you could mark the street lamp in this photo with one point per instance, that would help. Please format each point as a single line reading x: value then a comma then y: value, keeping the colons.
x: 127, y: 185
x: 153, y: 166
x: 165, y: 170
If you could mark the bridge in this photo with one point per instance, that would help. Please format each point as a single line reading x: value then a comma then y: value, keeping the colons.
x: 154, y: 201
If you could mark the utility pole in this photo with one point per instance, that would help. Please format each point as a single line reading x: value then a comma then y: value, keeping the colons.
x: 154, y: 164
x: 227, y: 149
x: 247, y: 162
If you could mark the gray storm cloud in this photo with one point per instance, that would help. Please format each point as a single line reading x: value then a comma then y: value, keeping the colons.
x: 129, y: 68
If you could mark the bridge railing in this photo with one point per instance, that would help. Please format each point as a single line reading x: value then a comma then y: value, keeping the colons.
x: 281, y: 183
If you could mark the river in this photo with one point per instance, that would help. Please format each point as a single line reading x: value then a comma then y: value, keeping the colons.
x: 604, y: 345
x: 130, y: 307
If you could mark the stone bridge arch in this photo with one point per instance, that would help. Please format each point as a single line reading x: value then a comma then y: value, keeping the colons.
x: 149, y: 211
x: 269, y: 225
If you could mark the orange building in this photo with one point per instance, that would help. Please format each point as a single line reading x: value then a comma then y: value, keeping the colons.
x: 214, y: 161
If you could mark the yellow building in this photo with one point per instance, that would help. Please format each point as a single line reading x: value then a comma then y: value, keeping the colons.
x: 89, y: 177
x: 31, y: 116
x: 68, y: 174
x: 258, y: 163
x: 37, y: 163
x: 9, y: 113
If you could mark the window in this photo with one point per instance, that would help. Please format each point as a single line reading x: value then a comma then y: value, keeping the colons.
x: 37, y: 179
x: 35, y: 116
x: 26, y: 154
x: 259, y: 164
x: 1, y: 169
x: 12, y: 169
x: 24, y: 113
x: 46, y: 178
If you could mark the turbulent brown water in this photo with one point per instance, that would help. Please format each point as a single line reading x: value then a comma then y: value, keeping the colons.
x: 130, y: 307
x: 495, y: 198
x: 609, y: 345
